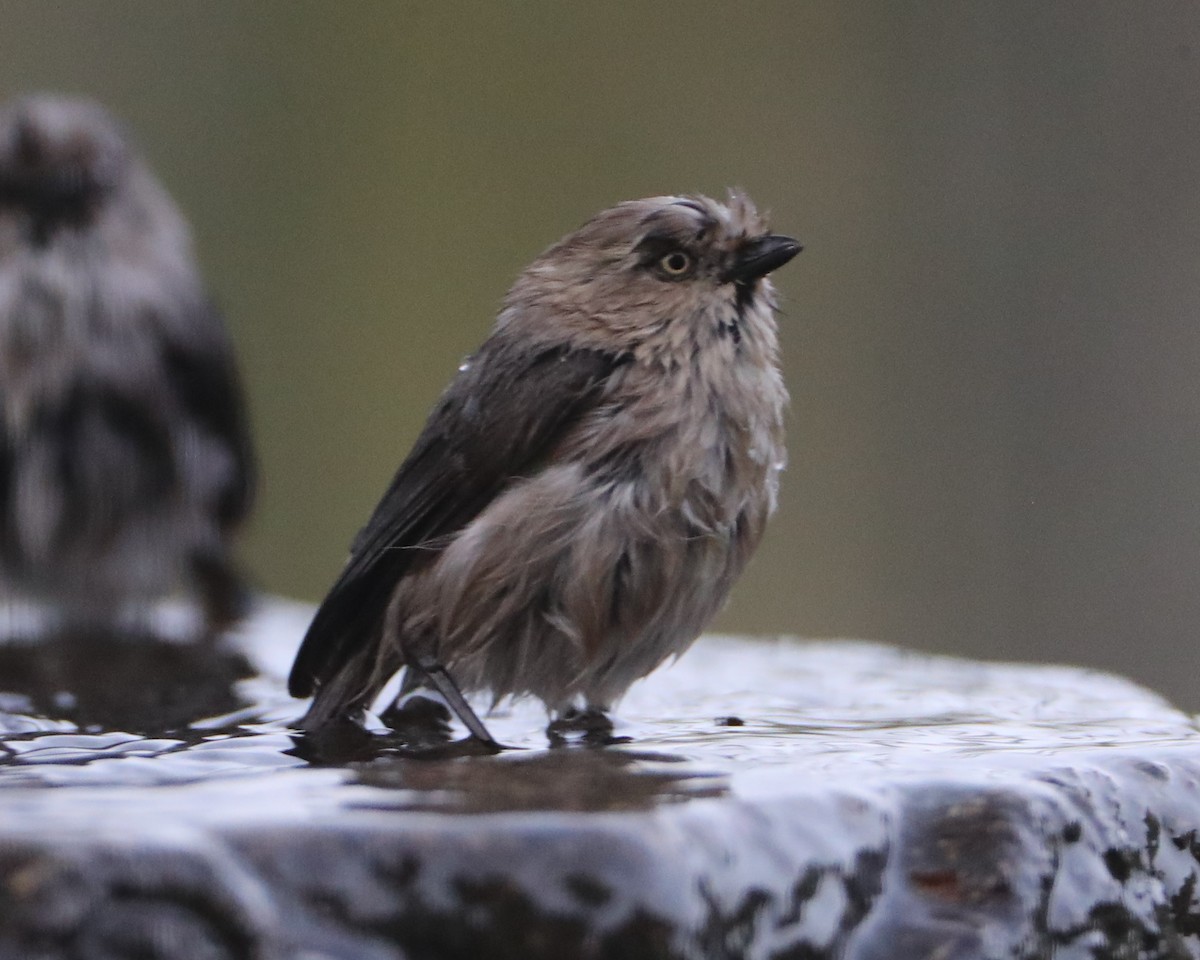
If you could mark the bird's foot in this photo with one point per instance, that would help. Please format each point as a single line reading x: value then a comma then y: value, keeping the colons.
x: 336, y: 743
x: 590, y: 727
x: 421, y: 719
x: 421, y: 722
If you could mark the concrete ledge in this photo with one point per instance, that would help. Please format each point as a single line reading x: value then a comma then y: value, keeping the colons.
x: 778, y: 800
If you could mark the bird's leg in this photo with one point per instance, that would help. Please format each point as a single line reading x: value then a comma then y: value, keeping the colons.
x: 436, y: 673
x: 223, y: 596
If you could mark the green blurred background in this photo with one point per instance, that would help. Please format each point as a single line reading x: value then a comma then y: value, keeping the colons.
x: 991, y: 339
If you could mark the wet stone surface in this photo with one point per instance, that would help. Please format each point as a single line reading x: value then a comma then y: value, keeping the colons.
x: 775, y: 799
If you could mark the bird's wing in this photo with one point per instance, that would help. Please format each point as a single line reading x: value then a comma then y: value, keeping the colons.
x: 497, y: 420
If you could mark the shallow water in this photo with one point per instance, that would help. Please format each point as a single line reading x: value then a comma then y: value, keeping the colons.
x: 732, y: 716
x: 768, y: 798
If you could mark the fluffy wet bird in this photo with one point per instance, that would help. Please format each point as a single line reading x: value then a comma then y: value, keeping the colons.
x: 588, y: 488
x: 125, y: 459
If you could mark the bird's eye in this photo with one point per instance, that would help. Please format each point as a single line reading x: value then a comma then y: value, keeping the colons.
x: 677, y: 263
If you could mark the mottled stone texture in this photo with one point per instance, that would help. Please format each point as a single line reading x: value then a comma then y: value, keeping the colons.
x: 778, y: 800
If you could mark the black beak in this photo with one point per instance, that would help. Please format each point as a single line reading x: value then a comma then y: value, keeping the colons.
x: 760, y: 256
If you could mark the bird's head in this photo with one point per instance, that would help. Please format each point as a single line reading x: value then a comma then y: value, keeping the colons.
x: 646, y: 266
x: 60, y: 160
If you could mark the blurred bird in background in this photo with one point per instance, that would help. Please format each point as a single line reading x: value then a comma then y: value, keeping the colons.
x: 588, y: 488
x: 125, y: 458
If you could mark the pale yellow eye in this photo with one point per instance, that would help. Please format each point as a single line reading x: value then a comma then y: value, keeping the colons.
x: 677, y: 263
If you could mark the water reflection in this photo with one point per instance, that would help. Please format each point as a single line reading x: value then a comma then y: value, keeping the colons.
x: 139, y: 683
x: 582, y: 780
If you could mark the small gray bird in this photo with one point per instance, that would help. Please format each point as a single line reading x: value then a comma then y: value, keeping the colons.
x: 125, y: 459
x: 589, y: 486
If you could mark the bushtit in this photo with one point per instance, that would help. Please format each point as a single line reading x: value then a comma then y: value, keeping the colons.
x: 125, y: 461
x: 589, y: 486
